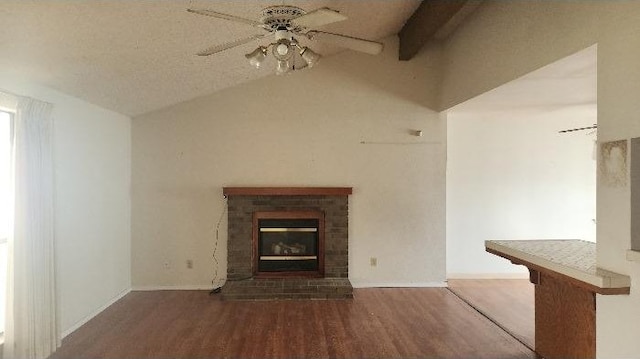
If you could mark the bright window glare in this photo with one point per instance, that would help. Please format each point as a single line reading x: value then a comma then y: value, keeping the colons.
x: 5, y: 128
x: 6, y: 207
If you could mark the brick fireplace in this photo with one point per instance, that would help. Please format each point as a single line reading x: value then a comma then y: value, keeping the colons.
x: 287, y: 243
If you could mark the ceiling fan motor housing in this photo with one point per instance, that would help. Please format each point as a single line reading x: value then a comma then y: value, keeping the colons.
x: 279, y: 17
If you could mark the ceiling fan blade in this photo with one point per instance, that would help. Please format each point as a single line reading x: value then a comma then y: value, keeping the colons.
x: 228, y: 45
x: 220, y: 15
x: 318, y: 17
x: 349, y: 42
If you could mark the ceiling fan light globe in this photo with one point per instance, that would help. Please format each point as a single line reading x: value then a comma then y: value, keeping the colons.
x: 283, y: 67
x: 282, y: 49
x: 309, y: 56
x: 257, y: 56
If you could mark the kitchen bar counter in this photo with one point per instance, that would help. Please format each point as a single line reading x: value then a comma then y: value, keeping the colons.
x: 566, y: 280
x: 574, y: 259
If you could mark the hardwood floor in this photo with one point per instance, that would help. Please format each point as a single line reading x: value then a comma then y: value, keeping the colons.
x: 378, y: 323
x: 508, y: 302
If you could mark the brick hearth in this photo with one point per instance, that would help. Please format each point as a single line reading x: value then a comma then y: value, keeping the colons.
x: 243, y: 202
x: 289, y: 288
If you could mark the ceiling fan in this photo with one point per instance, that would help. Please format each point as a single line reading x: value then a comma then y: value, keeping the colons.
x: 284, y: 23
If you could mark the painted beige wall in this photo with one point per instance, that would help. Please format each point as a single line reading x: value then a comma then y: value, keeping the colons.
x: 506, y: 39
x: 511, y: 175
x: 303, y: 129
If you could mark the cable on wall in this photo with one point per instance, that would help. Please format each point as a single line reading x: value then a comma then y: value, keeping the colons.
x: 217, y: 285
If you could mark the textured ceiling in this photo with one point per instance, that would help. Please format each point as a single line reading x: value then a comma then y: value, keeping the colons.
x: 571, y: 81
x: 138, y: 56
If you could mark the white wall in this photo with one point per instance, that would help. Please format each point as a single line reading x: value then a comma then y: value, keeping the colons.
x: 92, y: 154
x: 302, y: 129
x: 506, y: 39
x: 511, y: 175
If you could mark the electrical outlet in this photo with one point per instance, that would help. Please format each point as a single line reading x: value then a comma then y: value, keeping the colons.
x: 373, y: 261
x: 190, y: 263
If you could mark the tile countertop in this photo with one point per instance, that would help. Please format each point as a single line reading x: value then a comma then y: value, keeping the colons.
x: 573, y: 258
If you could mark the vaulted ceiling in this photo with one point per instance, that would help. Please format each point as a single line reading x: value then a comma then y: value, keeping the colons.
x: 138, y: 56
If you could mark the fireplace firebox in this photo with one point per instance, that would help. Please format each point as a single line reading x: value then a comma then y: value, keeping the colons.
x: 288, y: 243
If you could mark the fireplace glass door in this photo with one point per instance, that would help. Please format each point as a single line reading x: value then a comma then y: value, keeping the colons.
x: 288, y: 245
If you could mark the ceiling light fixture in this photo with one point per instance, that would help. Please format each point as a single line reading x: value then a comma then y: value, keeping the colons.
x: 283, y: 22
x: 284, y: 51
x: 257, y: 56
x: 310, y: 57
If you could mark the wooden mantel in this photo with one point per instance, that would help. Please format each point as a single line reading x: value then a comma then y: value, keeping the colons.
x: 287, y: 191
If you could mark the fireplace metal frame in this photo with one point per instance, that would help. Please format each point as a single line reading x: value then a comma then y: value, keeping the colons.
x: 288, y: 215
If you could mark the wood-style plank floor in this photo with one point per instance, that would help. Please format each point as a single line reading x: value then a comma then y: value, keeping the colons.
x: 508, y: 302
x: 378, y: 323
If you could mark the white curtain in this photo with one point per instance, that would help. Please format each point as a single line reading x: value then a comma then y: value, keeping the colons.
x: 31, y: 327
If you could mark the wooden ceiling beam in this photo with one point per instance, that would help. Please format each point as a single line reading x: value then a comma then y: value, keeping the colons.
x: 432, y: 19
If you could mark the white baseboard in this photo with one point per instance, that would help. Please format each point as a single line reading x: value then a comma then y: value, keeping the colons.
x: 147, y: 288
x: 84, y: 320
x: 488, y: 275
x: 357, y: 284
